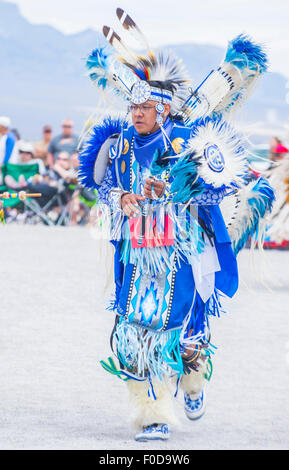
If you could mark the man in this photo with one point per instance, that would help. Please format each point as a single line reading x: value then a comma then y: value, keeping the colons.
x: 67, y: 141
x: 8, y: 147
x: 41, y: 147
x: 163, y: 183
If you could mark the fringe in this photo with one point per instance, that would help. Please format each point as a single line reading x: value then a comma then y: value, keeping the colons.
x: 144, y: 351
x: 188, y: 244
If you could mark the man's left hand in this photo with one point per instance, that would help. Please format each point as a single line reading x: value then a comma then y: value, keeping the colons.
x: 159, y: 188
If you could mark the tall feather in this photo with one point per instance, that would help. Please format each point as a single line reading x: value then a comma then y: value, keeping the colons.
x: 227, y: 86
x: 129, y: 25
x: 116, y: 42
x: 251, y: 61
x: 246, y: 55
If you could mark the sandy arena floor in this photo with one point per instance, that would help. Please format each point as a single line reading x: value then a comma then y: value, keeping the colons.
x: 54, y: 330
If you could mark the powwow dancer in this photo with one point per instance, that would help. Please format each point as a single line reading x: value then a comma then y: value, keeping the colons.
x: 277, y: 235
x: 164, y: 178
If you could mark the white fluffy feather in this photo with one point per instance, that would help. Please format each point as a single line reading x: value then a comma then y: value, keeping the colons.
x: 229, y: 144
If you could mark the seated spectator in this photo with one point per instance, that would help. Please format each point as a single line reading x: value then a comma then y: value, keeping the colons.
x: 62, y: 167
x: 67, y: 141
x: 8, y: 147
x: 25, y: 150
x: 41, y: 147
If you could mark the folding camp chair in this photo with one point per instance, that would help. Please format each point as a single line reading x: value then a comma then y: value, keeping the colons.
x: 36, y: 211
x: 15, y: 171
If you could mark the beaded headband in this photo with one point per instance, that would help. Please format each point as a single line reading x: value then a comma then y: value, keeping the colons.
x: 142, y: 92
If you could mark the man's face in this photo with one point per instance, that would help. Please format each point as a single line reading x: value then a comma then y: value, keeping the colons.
x: 63, y: 160
x: 3, y: 130
x: 67, y: 129
x: 47, y: 134
x: 144, y: 117
x: 25, y: 156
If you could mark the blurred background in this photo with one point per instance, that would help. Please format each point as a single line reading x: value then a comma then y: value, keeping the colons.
x: 47, y: 97
x: 44, y: 43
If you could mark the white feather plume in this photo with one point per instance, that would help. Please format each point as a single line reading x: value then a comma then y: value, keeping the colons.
x: 225, y: 138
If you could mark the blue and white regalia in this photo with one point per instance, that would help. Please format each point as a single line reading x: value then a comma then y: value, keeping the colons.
x: 175, y: 261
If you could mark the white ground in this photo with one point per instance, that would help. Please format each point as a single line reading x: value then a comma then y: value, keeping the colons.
x: 54, y: 330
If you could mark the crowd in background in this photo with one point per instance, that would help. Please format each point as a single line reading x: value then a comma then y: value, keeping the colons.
x: 57, y: 160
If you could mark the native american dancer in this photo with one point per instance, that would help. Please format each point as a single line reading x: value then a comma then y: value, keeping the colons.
x: 165, y: 177
x: 277, y: 235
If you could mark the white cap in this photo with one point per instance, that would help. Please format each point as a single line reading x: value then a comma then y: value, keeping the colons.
x: 25, y: 147
x: 5, y: 122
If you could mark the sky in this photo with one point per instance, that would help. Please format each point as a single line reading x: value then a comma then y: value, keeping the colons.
x: 173, y: 22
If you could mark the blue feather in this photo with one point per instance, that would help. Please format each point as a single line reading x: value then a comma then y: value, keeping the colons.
x: 244, y: 53
x: 260, y: 204
x: 97, y: 63
x: 160, y: 162
x: 186, y: 183
x: 98, y: 135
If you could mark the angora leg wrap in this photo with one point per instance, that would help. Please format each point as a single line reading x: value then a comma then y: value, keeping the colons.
x: 146, y: 410
x: 194, y: 382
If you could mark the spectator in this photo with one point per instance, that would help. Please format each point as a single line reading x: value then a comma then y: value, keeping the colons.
x: 62, y: 167
x: 26, y: 158
x: 277, y: 149
x: 41, y: 147
x: 67, y: 141
x: 26, y: 155
x: 8, y: 147
x: 16, y: 134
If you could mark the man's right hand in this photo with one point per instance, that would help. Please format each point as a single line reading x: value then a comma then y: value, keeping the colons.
x: 129, y: 204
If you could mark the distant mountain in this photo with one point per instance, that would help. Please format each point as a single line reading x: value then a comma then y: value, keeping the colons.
x: 42, y: 76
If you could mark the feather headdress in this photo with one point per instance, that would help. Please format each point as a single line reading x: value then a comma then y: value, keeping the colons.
x: 122, y: 69
x: 220, y: 92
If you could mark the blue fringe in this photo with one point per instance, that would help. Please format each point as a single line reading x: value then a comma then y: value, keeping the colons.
x: 244, y: 53
x: 144, y: 350
x: 98, y: 135
x: 259, y: 205
x: 213, y: 306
